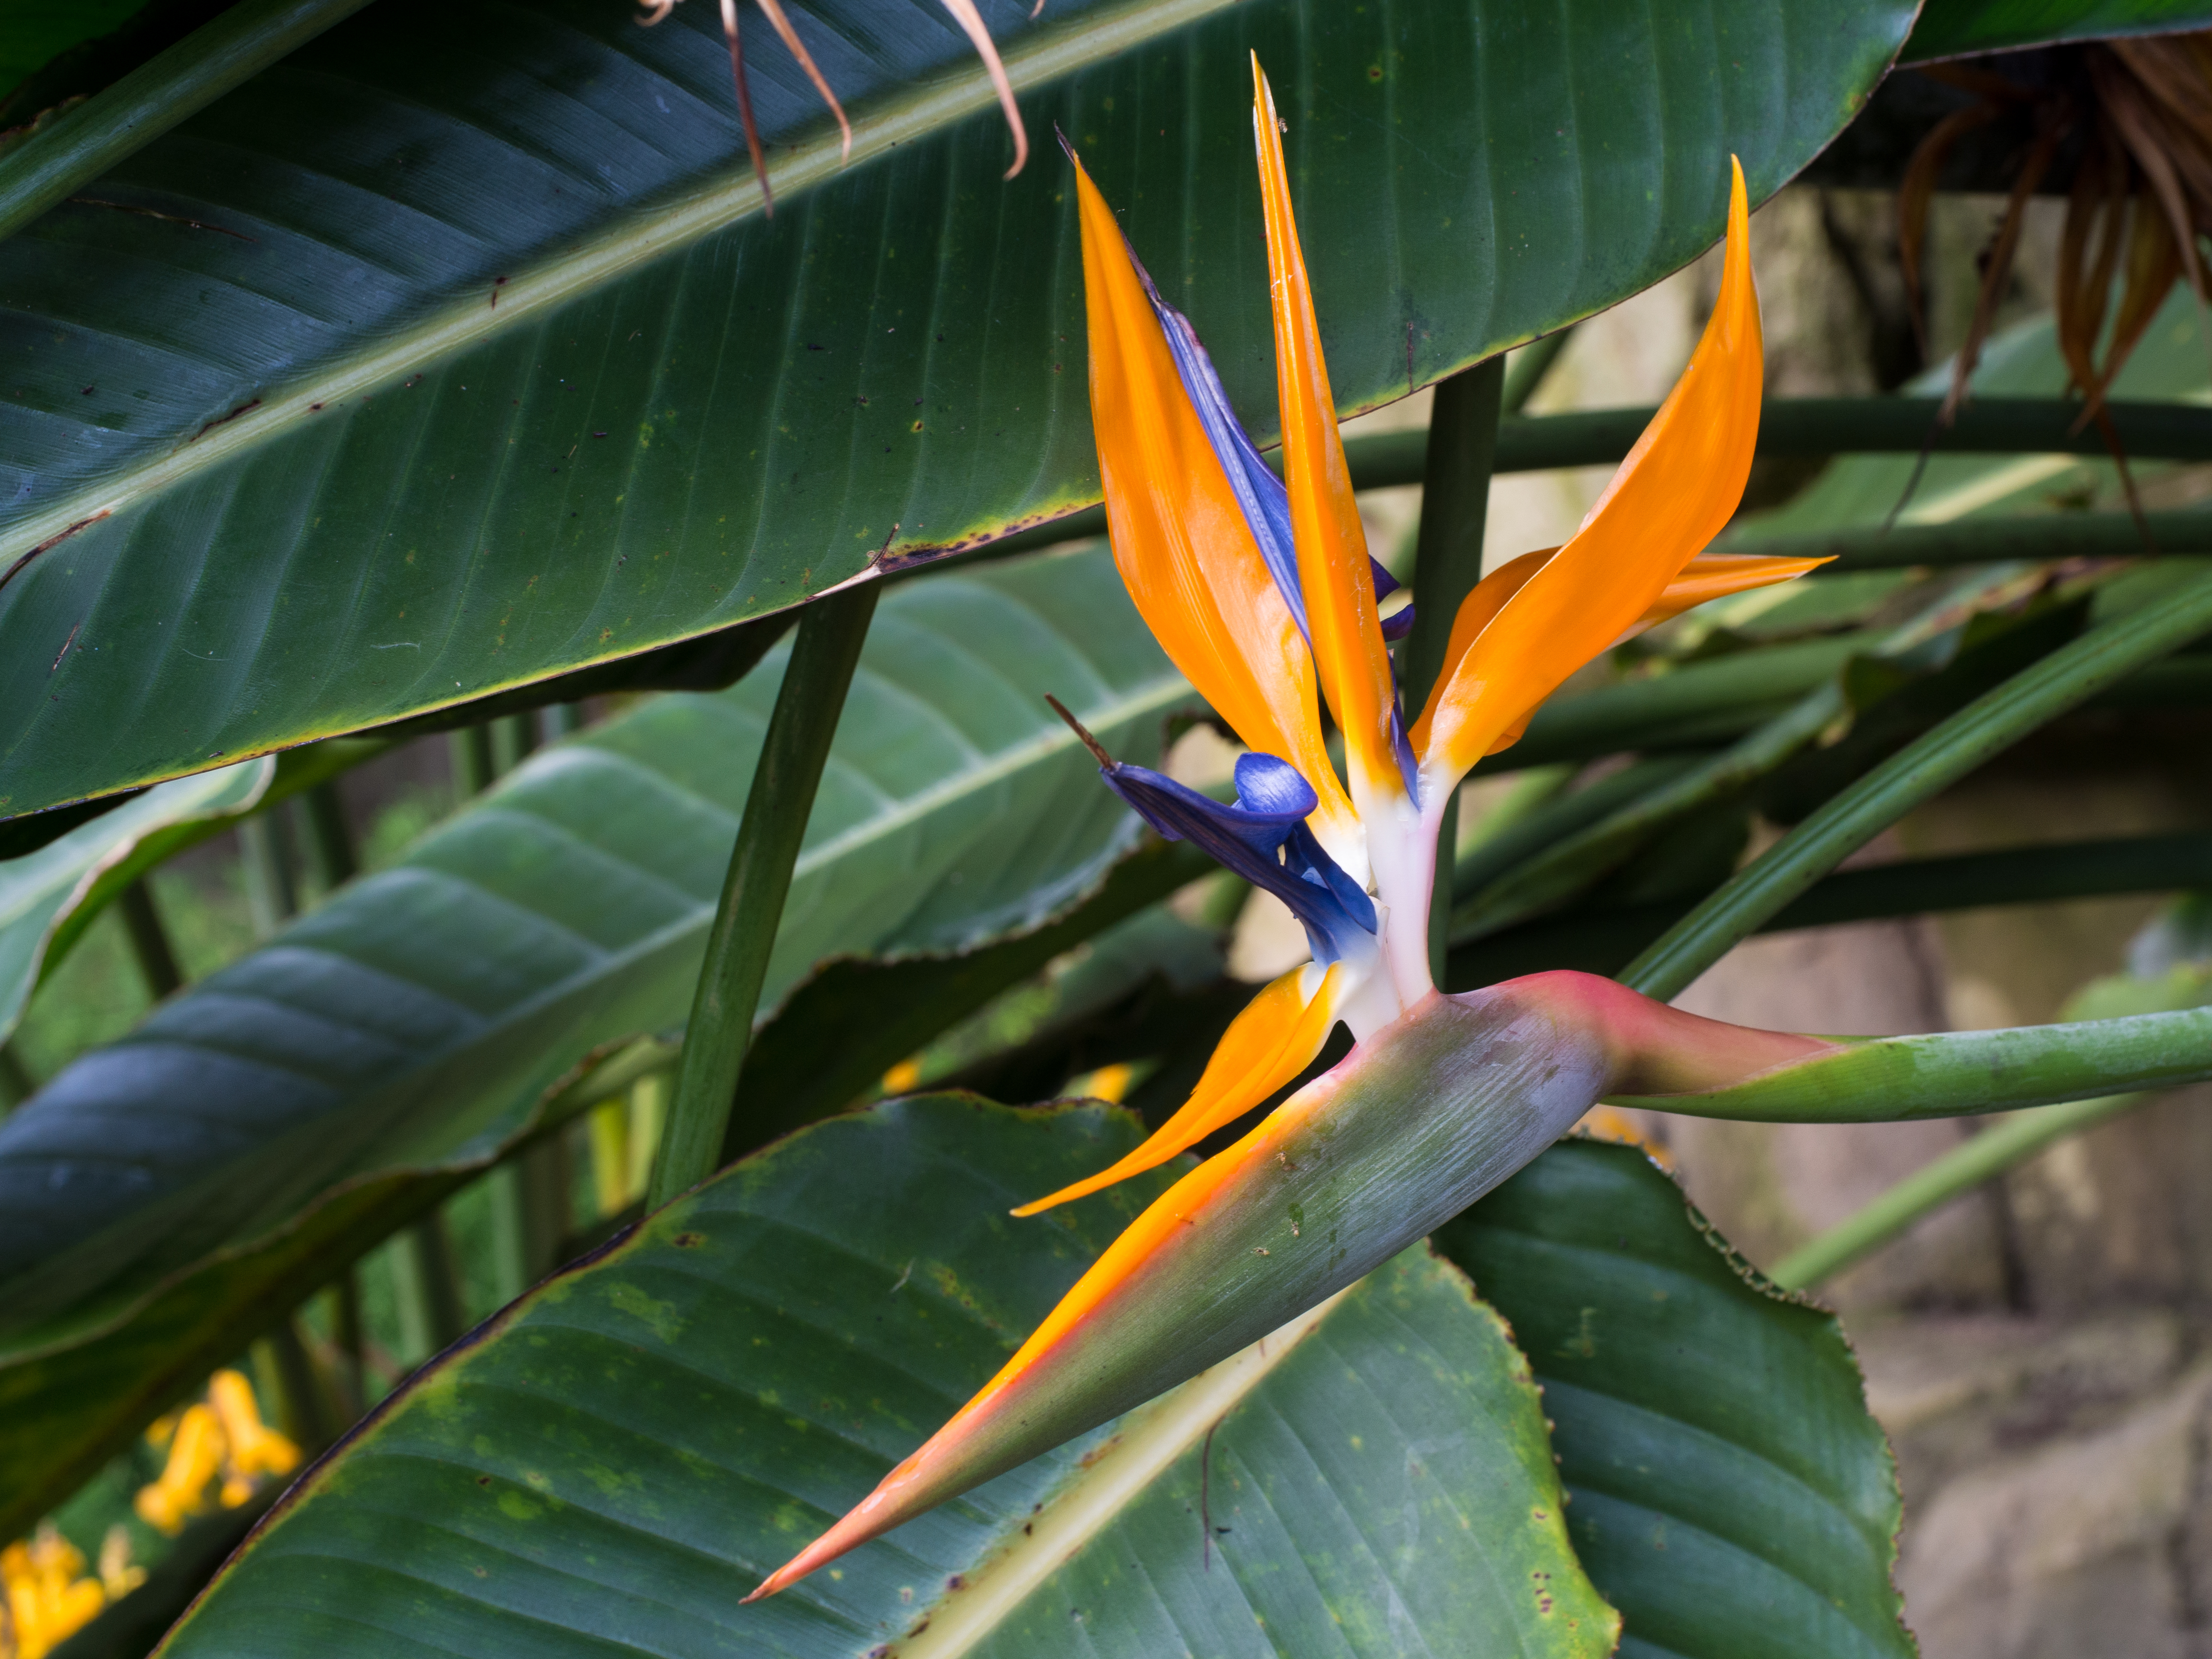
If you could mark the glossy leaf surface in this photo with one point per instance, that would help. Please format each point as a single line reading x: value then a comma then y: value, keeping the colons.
x: 39, y: 893
x: 1958, y: 28
x: 475, y: 362
x: 615, y: 1462
x: 299, y: 1103
x: 1728, y: 1490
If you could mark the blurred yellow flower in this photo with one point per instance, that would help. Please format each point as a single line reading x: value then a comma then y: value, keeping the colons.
x: 225, y: 1436
x: 48, y: 1599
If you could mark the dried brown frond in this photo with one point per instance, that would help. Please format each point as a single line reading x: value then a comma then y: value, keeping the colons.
x: 964, y: 13
x: 971, y: 21
x: 746, y: 106
x: 2141, y: 197
x: 1997, y: 266
x: 1917, y: 190
x: 782, y: 26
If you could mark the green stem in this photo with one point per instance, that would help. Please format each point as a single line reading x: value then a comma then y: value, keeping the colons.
x: 529, y: 1205
x: 1986, y: 726
x: 649, y: 1110
x: 49, y: 165
x: 329, y: 837
x: 1858, y: 426
x: 513, y: 737
x: 1559, y: 816
x: 1666, y: 710
x: 271, y: 895
x: 793, y: 754
x: 1568, y: 863
x: 307, y: 1415
x: 1803, y: 426
x: 1599, y: 940
x: 1567, y: 866
x: 509, y: 1262
x: 1965, y: 1167
x: 427, y: 1288
x: 2014, y: 875
x: 1528, y: 366
x: 1448, y: 558
x: 1964, y: 1073
x: 470, y: 749
x: 150, y: 941
x: 350, y: 1336
x: 1977, y: 541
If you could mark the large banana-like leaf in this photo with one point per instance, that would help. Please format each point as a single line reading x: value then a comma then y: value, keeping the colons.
x: 454, y: 351
x: 609, y: 1465
x: 161, y: 1197
x: 1729, y: 1492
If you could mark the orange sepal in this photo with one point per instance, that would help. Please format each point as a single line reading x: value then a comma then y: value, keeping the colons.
x: 1476, y: 613
x: 1334, y: 570
x: 1275, y: 1039
x: 1715, y: 576
x: 1180, y: 539
x: 1672, y: 495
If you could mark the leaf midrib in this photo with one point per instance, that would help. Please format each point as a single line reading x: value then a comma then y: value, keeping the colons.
x: 619, y: 247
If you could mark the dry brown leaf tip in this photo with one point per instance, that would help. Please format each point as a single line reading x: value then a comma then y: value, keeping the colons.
x: 964, y: 13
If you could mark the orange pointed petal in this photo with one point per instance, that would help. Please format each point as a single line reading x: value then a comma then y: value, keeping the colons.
x: 1181, y: 540
x: 1715, y: 576
x: 1275, y: 1039
x: 1670, y: 497
x: 1476, y: 611
x: 1333, y: 571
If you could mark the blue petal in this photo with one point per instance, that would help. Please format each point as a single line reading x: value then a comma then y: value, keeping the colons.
x: 1263, y: 838
x: 1265, y: 502
x: 1265, y: 784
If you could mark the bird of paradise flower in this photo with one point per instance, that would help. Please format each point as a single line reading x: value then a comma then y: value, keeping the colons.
x: 1262, y: 592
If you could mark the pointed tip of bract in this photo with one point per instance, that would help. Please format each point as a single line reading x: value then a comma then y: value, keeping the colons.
x: 1670, y: 496
x: 1334, y: 572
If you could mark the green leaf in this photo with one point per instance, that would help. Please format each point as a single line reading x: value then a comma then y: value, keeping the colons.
x: 53, y: 887
x: 32, y: 33
x: 1958, y: 28
x: 512, y: 378
x: 162, y: 1196
x: 855, y: 1017
x: 611, y: 1464
x: 1728, y: 1490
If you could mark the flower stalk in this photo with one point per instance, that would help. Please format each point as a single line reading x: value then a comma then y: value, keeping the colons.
x: 831, y: 631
